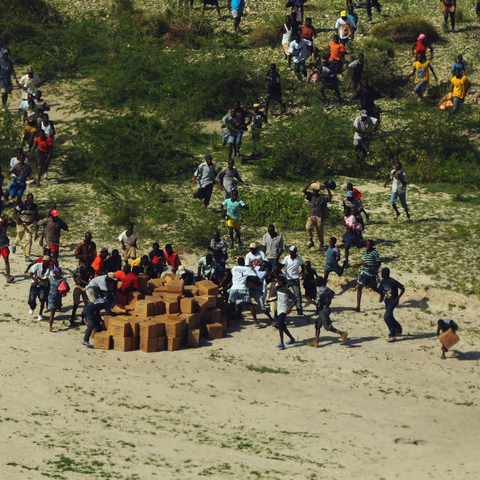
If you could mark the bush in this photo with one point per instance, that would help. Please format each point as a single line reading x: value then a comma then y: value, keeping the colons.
x: 10, y: 137
x: 189, y: 29
x: 405, y: 29
x: 381, y: 45
x: 263, y: 35
x: 380, y: 69
x: 197, y: 232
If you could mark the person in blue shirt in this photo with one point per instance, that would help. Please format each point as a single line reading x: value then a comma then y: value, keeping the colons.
x: 459, y: 64
x: 91, y: 313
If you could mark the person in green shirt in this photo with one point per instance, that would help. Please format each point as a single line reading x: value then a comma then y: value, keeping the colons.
x: 369, y: 276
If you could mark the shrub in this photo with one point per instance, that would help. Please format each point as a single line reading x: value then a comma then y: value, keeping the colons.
x: 381, y: 45
x: 10, y: 137
x: 380, y: 69
x: 263, y: 35
x: 198, y: 232
x: 405, y: 29
x: 159, y: 25
x: 188, y: 29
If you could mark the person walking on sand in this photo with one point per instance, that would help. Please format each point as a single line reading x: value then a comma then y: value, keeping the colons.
x: 282, y: 297
x: 443, y: 325
x: 399, y: 189
x: 128, y: 239
x: 40, y: 274
x: 227, y: 177
x: 294, y: 272
x: 368, y: 278
x: 91, y: 313
x: 5, y: 243
x: 56, y: 292
x: 318, y: 211
x: 53, y: 227
x: 322, y: 302
x: 206, y: 175
x: 390, y: 292
x: 26, y: 215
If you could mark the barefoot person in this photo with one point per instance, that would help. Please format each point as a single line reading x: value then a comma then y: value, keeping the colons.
x: 352, y: 236
x: 81, y: 276
x: 333, y: 259
x: 206, y: 176
x: 399, y: 189
x: 369, y: 276
x: 55, y: 293
x: 40, y: 274
x: 128, y: 239
x: 53, y: 229
x: 5, y: 243
x: 282, y: 297
x: 421, y: 70
x: 390, y: 291
x: 231, y: 213
x: 26, y: 214
x: 318, y: 211
x: 443, y: 325
x: 322, y: 302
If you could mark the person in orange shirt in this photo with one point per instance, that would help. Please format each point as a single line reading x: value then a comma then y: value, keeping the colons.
x: 99, y: 263
x: 337, y: 54
x: 307, y: 30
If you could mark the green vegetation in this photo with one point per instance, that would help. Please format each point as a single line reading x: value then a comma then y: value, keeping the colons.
x: 405, y: 29
x: 263, y: 369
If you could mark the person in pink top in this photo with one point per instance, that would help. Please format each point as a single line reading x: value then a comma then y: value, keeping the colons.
x: 353, y: 236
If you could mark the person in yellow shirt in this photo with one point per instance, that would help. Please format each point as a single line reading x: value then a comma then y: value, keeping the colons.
x: 421, y: 71
x: 460, y: 86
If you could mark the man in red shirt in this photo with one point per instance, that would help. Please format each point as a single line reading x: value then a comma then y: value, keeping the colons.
x: 44, y: 144
x: 129, y: 284
x: 307, y: 30
x: 99, y: 262
x: 337, y: 54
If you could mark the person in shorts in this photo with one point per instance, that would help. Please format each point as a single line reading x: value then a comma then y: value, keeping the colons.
x: 299, y: 50
x: 45, y: 149
x: 231, y: 213
x: 53, y: 227
x: 237, y: 13
x: 20, y: 173
x: 5, y: 243
x: 231, y: 123
x: 352, y: 237
x: 282, y: 296
x: 333, y: 259
x: 81, y: 276
x: 6, y: 73
x: 322, y: 302
x: 443, y: 325
x: 369, y: 276
x: 309, y: 276
x: 364, y: 126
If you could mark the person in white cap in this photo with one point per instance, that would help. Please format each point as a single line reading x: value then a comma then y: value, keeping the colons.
x: 294, y: 270
x: 364, y: 126
x: 318, y: 210
x: 255, y: 257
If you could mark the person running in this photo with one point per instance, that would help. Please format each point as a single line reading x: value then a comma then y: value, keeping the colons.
x: 365, y: 126
x: 368, y: 278
x: 421, y: 46
x: 227, y: 177
x: 352, y: 16
x: 287, y: 33
x: 333, y: 260
x: 56, y: 293
x: 299, y: 49
x: 231, y: 213
x: 421, y: 71
x: 239, y: 293
x: 40, y: 274
x: 256, y: 124
x: 323, y: 301
x: 26, y: 215
x: 273, y: 246
x: 45, y: 149
x: 294, y: 272
x: 329, y: 81
x: 337, y: 55
x: 86, y: 249
x: 30, y: 119
x: 53, y: 227
x: 355, y: 205
x: 231, y: 122
x: 358, y: 195
x: 220, y: 253
x: 274, y: 88
x: 91, y: 314
x: 309, y: 276
x: 367, y: 96
x: 345, y: 28
x: 5, y: 244
x: 48, y: 126
x: 477, y: 9
x: 282, y: 296
x: 449, y: 7
x: 307, y: 30
x: 206, y: 175
x: 355, y: 71
x: 6, y: 73
x: 20, y: 173
x: 460, y: 87
x: 128, y: 239
x: 353, y: 236
x: 81, y: 276
x: 443, y: 325
x: 29, y: 83
x: 390, y: 291
x: 237, y: 13
x: 369, y: 4
x: 399, y: 189
x: 297, y: 8
x: 318, y: 211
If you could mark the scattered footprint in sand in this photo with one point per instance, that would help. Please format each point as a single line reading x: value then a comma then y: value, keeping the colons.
x: 404, y: 441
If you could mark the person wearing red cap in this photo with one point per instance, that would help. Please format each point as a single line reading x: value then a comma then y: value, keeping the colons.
x: 421, y: 46
x: 53, y: 227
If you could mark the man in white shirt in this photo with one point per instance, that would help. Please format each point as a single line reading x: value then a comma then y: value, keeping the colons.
x: 299, y: 50
x: 100, y: 286
x: 273, y: 246
x: 399, y: 189
x: 257, y: 290
x: 28, y: 83
x: 206, y: 174
x: 239, y: 293
x: 39, y: 273
x: 364, y: 126
x: 294, y: 273
x: 255, y: 257
x: 345, y: 28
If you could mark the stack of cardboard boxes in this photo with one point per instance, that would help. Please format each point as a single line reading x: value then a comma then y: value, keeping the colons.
x: 165, y: 315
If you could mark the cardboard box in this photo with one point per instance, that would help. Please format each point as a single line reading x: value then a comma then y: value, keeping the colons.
x: 160, y: 321
x: 190, y: 290
x: 145, y: 308
x: 187, y: 305
x: 171, y: 306
x: 159, y: 306
x: 135, y: 325
x: 106, y: 321
x: 143, y: 283
x: 160, y: 290
x: 149, y: 329
x: 122, y: 344
x: 206, y: 317
x: 157, y: 282
x: 206, y: 287
x: 212, y: 301
x: 192, y: 320
x: 172, y: 296
x: 169, y: 277
x: 449, y: 338
x: 201, y: 304
x: 193, y: 339
x: 174, y: 328
x: 175, y: 286
x: 173, y: 343
x: 216, y: 315
x: 215, y: 331
x: 135, y: 296
x: 103, y: 341
x: 162, y: 343
x: 224, y: 325
x: 149, y: 345
x: 120, y: 327
x: 135, y: 343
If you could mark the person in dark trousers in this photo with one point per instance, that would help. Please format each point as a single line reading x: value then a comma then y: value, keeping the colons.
x: 206, y: 176
x: 390, y: 291
x: 81, y: 276
x: 369, y: 4
x: 318, y: 211
x: 274, y: 88
x: 442, y: 327
x: 91, y: 313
